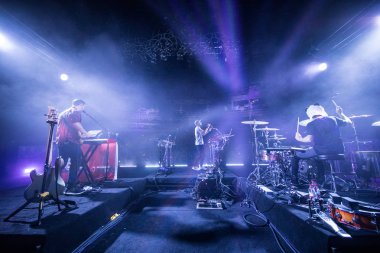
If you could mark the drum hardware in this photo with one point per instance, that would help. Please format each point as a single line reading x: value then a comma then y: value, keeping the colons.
x: 216, y: 146
x: 166, y: 158
x: 278, y: 171
x: 266, y: 129
x: 317, y: 211
x: 255, y: 174
x: 255, y: 122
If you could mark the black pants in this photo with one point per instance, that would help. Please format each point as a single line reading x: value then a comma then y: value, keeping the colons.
x: 199, y: 155
x: 73, y: 151
x: 309, y: 154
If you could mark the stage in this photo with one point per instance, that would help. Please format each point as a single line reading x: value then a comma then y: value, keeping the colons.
x: 159, y: 213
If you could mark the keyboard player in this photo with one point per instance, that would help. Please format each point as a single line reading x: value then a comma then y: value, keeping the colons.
x: 69, y: 134
x: 323, y: 131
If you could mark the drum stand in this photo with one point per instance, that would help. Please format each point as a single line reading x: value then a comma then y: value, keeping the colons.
x: 166, y: 159
x: 254, y: 176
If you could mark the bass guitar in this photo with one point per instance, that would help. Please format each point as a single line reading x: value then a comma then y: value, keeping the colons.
x: 50, y: 182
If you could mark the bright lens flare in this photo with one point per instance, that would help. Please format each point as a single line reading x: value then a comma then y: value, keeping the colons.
x: 322, y: 66
x: 5, y: 43
x: 64, y: 77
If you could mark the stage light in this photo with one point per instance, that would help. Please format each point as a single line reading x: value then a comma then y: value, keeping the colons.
x: 152, y: 166
x: 322, y: 66
x: 5, y: 43
x: 180, y: 165
x: 234, y: 164
x: 64, y: 77
x: 27, y: 171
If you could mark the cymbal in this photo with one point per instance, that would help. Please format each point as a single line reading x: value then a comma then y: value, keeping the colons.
x: 360, y: 116
x: 377, y: 123
x: 226, y: 135
x: 277, y: 139
x: 255, y: 122
x: 304, y: 122
x: 276, y: 136
x: 267, y: 129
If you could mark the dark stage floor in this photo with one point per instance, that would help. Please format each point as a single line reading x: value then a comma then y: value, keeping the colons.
x: 159, y: 213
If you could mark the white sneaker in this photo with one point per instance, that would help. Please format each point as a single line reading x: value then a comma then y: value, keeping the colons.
x: 195, y: 168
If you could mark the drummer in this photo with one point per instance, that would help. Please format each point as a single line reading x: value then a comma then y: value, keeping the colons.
x: 323, y: 131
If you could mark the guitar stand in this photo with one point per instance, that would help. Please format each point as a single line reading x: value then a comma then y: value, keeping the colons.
x: 43, y: 197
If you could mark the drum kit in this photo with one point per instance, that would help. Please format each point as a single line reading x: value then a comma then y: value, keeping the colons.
x: 364, y: 163
x: 277, y: 161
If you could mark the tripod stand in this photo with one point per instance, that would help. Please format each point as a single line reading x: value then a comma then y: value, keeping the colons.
x: 46, y: 186
x: 166, y: 158
x: 255, y: 174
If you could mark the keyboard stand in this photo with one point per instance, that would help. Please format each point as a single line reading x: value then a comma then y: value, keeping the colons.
x: 86, y: 157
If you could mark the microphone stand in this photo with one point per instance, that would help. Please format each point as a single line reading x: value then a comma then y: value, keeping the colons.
x: 98, y: 123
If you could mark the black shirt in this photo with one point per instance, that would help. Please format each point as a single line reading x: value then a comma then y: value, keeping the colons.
x: 326, y: 135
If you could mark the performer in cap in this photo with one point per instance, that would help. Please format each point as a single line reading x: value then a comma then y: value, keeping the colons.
x: 323, y: 131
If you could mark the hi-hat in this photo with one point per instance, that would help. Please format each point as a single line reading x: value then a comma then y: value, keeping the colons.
x: 267, y: 129
x: 255, y: 122
x: 277, y: 138
x: 304, y: 122
x: 360, y: 116
x: 377, y: 123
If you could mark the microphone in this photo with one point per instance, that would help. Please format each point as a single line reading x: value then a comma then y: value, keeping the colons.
x: 335, y: 95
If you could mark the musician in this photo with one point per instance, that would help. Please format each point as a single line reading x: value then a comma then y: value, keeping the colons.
x: 69, y: 133
x: 199, y: 143
x: 323, y: 131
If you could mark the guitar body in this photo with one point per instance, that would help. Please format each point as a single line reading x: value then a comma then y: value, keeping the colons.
x: 33, y: 191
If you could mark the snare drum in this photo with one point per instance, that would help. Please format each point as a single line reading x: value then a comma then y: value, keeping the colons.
x: 359, y: 219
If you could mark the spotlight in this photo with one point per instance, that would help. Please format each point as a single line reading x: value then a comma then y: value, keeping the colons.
x: 5, y: 43
x: 64, y: 77
x: 27, y: 171
x: 322, y: 66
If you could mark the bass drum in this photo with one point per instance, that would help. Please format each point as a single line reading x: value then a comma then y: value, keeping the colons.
x: 367, y: 164
x: 307, y: 170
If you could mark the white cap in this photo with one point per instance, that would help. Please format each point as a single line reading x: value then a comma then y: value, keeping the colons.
x: 315, y: 110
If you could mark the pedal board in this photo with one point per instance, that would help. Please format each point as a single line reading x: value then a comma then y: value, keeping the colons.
x: 216, y: 205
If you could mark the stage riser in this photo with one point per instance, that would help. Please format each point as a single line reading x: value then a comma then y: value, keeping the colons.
x: 63, y: 232
x: 294, y: 225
